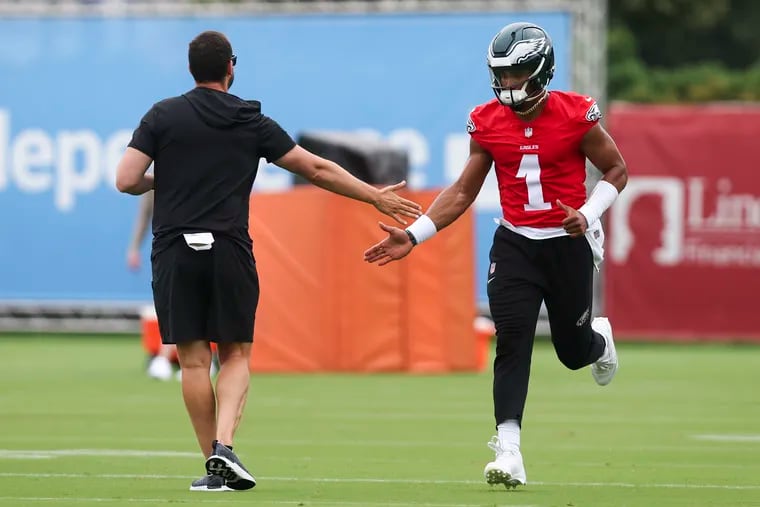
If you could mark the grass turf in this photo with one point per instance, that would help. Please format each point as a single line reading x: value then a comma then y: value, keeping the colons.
x: 80, y: 424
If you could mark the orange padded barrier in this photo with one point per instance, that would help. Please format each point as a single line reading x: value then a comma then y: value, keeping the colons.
x: 322, y: 308
x: 439, y: 298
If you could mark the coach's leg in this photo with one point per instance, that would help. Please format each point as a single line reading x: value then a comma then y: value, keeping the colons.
x: 569, y: 303
x: 231, y: 388
x: 236, y: 296
x: 197, y: 391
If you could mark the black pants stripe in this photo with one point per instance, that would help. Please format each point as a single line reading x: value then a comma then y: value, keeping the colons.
x: 524, y: 272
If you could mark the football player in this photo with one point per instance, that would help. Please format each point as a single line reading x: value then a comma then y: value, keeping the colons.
x: 549, y: 237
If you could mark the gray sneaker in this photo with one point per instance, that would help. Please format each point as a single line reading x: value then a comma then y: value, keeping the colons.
x: 210, y: 483
x: 224, y: 463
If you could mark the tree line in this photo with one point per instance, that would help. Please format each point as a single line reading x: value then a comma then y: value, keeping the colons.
x: 684, y: 50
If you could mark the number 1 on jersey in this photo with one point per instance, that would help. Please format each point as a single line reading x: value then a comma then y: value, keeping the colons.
x: 531, y: 171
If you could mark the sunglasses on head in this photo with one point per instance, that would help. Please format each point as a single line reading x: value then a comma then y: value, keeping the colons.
x: 233, y: 59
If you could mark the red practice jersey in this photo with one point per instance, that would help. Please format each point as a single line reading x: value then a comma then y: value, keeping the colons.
x: 539, y: 161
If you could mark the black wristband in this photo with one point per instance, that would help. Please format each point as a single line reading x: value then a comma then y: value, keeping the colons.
x: 411, y: 237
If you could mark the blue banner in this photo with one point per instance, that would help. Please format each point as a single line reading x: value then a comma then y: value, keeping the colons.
x: 74, y: 89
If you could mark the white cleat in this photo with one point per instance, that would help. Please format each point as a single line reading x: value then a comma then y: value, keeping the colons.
x: 160, y: 368
x: 605, y: 367
x: 506, y: 469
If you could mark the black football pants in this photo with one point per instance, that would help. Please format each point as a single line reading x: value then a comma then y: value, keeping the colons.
x: 523, y: 273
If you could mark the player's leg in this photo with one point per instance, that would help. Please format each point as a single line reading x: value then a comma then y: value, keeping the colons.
x: 569, y: 299
x: 234, y: 301
x: 514, y: 294
x: 579, y: 340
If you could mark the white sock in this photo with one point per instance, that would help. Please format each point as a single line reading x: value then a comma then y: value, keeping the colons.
x: 509, y: 435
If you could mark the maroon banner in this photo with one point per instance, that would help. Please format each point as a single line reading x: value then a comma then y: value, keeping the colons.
x: 683, y: 239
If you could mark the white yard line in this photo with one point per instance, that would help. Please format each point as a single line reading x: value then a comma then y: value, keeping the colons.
x: 453, y: 414
x: 54, y: 453
x: 6, y: 439
x: 395, y: 443
x: 229, y: 500
x: 718, y: 437
x: 36, y: 454
x: 370, y: 480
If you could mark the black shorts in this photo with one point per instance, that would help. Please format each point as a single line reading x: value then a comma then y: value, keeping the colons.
x: 205, y: 295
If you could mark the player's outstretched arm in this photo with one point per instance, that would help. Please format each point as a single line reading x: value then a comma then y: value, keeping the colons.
x: 330, y: 176
x: 447, y: 207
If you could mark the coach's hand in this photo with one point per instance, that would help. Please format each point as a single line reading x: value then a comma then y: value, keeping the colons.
x: 575, y: 223
x: 396, y: 206
x: 396, y: 246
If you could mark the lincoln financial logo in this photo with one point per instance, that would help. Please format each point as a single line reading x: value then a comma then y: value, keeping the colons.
x: 704, y: 221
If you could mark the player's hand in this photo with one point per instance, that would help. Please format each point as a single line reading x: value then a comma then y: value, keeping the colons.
x: 396, y: 206
x: 575, y: 223
x: 396, y: 246
x: 133, y: 260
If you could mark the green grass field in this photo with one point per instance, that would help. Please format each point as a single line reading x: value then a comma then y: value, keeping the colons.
x: 81, y: 425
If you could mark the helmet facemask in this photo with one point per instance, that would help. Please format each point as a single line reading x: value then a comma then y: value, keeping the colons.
x: 530, y: 89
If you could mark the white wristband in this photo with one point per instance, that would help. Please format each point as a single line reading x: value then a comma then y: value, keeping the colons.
x: 422, y: 229
x: 602, y: 197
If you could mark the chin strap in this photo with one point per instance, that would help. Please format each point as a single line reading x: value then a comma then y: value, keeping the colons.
x: 539, y: 100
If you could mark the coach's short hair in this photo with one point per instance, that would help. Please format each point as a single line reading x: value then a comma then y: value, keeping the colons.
x: 208, y: 54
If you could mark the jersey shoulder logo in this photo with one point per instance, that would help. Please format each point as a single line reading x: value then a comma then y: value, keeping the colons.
x: 593, y: 114
x: 470, y: 125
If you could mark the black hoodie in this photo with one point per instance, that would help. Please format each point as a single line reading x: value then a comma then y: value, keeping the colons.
x: 206, y: 146
x: 222, y: 110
